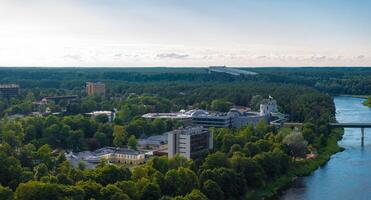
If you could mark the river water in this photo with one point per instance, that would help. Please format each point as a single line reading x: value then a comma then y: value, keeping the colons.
x: 348, y: 174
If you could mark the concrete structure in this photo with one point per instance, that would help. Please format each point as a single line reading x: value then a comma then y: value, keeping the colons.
x: 9, y: 90
x: 354, y: 125
x: 110, y: 114
x: 215, y: 119
x: 95, y: 88
x: 181, y: 116
x: 237, y: 116
x: 231, y: 71
x: 189, y: 142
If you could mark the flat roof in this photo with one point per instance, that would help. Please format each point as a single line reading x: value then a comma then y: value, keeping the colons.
x: 177, y: 115
x: 4, y: 86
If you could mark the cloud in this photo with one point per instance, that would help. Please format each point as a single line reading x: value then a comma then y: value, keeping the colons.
x: 262, y: 57
x: 318, y: 58
x: 172, y: 56
x: 361, y: 57
x: 72, y: 57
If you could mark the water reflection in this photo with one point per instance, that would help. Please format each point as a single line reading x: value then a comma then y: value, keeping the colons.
x: 348, y: 174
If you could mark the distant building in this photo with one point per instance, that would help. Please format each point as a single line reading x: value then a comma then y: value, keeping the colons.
x: 237, y: 116
x: 181, y: 116
x: 229, y: 70
x: 189, y: 142
x: 110, y: 154
x: 121, y: 155
x: 268, y: 106
x: 95, y: 88
x: 218, y: 120
x: 153, y: 142
x: 9, y: 90
x: 110, y: 114
x: 57, y: 99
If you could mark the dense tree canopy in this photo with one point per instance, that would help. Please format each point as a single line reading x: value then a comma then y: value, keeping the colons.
x: 32, y: 148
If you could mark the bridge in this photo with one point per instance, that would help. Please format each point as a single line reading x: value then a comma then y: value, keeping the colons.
x: 353, y: 125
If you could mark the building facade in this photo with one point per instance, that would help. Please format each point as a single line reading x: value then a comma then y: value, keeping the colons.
x: 95, y: 89
x: 218, y: 120
x: 9, y: 90
x: 125, y: 157
x: 268, y: 106
x: 111, y: 115
x: 189, y: 142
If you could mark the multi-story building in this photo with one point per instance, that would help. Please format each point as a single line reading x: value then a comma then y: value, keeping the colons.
x: 95, y: 88
x: 189, y: 142
x: 218, y: 120
x: 235, y: 118
x: 268, y: 106
x: 109, y: 154
x: 9, y: 90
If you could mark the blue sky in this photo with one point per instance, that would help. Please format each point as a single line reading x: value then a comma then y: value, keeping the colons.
x: 185, y: 33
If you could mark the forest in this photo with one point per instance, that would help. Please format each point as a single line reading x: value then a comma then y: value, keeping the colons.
x: 245, y: 162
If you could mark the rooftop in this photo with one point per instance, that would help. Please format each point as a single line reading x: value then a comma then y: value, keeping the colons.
x: 5, y: 86
x: 176, y: 115
x: 190, y: 130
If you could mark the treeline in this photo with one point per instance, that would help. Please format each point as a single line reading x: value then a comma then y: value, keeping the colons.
x: 247, y: 159
x: 333, y: 80
x: 244, y: 160
x: 367, y: 102
x: 32, y: 159
x: 135, y: 99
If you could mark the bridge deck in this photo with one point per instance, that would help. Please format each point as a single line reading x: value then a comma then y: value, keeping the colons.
x: 351, y: 125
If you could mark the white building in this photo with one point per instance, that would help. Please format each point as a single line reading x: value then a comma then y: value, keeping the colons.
x: 110, y: 114
x: 189, y: 142
x: 235, y: 118
x: 268, y: 106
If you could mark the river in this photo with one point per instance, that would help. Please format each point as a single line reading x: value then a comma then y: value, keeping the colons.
x: 348, y: 174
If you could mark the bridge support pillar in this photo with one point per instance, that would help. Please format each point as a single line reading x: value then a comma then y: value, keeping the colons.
x: 363, y: 136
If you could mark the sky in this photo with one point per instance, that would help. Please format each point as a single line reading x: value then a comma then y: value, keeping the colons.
x: 130, y: 33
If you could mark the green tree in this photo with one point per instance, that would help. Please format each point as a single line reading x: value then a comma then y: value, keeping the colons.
x: 41, y: 170
x: 129, y: 188
x: 255, y: 102
x: 119, y: 136
x: 252, y: 171
x: 151, y: 192
x: 215, y: 160
x: 110, y: 192
x: 221, y: 105
x: 132, y: 142
x: 110, y: 174
x: 76, y: 140
x: 102, y: 118
x: 36, y: 190
x: 101, y: 138
x: 195, y: 195
x: 91, y: 189
x: 296, y: 144
x: 212, y: 190
x: 6, y: 193
x: 180, y: 181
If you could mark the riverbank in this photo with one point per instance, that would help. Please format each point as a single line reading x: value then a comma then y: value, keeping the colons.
x: 300, y: 168
x: 354, y: 96
x: 367, y: 102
